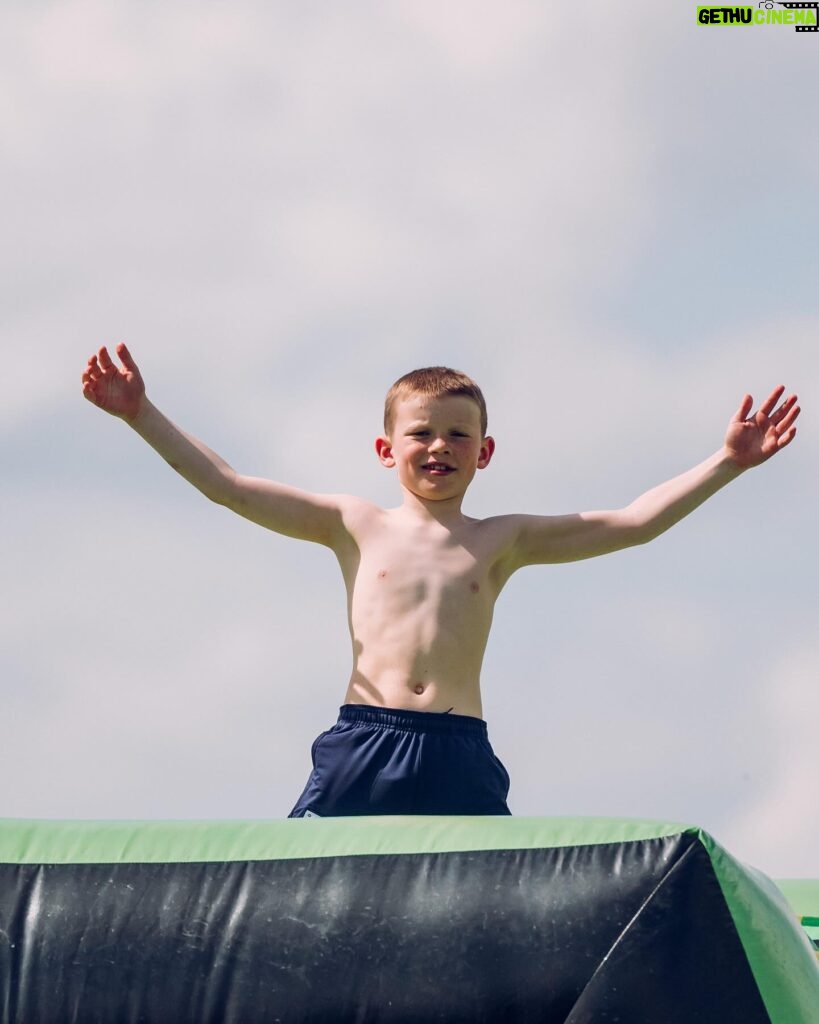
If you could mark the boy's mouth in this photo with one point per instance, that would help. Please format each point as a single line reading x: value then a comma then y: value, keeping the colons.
x: 438, y: 467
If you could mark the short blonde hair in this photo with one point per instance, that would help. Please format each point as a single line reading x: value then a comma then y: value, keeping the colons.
x: 432, y: 382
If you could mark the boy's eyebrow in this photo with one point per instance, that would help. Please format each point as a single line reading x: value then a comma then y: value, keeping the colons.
x: 424, y: 424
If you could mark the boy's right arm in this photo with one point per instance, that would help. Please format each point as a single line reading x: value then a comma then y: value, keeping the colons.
x: 120, y: 391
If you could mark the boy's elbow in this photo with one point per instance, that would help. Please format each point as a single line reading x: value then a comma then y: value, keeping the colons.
x: 223, y: 491
x: 218, y: 498
x: 231, y: 498
x: 645, y: 532
x: 637, y: 529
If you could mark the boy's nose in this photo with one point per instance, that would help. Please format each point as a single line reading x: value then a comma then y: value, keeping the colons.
x: 438, y: 445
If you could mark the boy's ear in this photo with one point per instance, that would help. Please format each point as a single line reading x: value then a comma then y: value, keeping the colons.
x: 486, y: 452
x: 384, y: 450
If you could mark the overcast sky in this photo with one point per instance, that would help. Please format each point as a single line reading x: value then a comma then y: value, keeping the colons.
x: 608, y: 218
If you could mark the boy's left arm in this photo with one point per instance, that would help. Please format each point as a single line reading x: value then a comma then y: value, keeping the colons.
x: 749, y: 441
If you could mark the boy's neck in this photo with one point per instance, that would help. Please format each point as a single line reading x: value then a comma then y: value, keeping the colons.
x: 447, y: 511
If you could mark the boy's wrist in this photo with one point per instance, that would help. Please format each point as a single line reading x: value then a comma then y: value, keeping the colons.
x: 142, y: 414
x: 727, y: 463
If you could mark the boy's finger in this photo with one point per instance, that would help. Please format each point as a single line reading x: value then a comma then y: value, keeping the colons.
x: 742, y: 412
x: 786, y: 422
x: 771, y: 400
x: 125, y: 356
x: 105, y: 359
x: 784, y: 409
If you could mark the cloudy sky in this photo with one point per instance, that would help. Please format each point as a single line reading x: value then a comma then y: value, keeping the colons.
x: 609, y: 219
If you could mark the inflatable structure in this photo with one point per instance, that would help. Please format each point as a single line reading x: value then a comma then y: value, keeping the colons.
x: 393, y: 919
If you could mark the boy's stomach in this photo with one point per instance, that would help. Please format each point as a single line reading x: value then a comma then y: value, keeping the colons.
x: 416, y: 692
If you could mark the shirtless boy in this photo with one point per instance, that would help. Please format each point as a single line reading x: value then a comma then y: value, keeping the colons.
x: 422, y: 579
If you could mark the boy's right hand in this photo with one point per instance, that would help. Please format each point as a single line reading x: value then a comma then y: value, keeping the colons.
x: 117, y: 390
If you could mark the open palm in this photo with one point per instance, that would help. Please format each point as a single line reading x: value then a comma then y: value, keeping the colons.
x: 752, y: 439
x: 116, y: 389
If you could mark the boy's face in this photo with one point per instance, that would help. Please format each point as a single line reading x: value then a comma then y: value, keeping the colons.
x: 436, y: 444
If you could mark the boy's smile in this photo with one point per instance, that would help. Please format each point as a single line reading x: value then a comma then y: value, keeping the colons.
x: 438, y: 468
x: 436, y: 445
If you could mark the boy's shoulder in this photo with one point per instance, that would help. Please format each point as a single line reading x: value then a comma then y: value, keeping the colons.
x: 356, y: 512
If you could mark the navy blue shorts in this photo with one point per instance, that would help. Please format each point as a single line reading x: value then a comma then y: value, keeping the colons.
x: 388, y: 761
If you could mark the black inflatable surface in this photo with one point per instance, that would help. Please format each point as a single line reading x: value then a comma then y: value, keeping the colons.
x: 628, y: 931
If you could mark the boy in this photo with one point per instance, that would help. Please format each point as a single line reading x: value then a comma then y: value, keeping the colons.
x: 422, y: 579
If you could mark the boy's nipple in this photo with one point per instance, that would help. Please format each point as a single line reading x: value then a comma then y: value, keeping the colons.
x: 474, y: 586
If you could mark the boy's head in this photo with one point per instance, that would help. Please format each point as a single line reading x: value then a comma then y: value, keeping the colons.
x: 432, y: 382
x: 435, y: 433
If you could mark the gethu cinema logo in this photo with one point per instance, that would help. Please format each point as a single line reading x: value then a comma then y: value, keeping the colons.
x: 801, y: 15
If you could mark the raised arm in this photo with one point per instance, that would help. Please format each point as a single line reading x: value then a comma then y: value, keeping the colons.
x: 749, y: 441
x: 120, y: 391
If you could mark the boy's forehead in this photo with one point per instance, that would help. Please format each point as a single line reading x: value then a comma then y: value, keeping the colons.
x: 455, y: 407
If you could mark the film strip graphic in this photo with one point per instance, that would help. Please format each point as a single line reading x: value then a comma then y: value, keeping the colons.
x: 799, y: 7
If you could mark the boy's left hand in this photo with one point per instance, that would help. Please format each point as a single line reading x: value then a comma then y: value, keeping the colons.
x: 750, y: 440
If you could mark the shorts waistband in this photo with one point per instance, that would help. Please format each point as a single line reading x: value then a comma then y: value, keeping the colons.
x: 413, y: 721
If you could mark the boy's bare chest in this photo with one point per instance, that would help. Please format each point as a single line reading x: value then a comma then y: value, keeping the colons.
x: 415, y: 568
